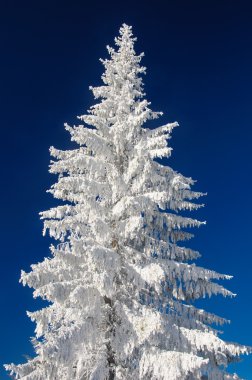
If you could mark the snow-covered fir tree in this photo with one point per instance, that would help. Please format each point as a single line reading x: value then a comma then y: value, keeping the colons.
x: 120, y: 286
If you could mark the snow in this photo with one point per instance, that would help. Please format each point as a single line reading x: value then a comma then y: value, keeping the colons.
x: 119, y: 284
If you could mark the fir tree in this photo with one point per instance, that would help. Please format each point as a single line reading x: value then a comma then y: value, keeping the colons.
x: 119, y: 285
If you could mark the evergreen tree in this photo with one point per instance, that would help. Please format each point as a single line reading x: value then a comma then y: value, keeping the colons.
x: 119, y: 286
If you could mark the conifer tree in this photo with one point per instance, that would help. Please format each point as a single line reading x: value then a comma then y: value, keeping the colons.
x: 119, y: 281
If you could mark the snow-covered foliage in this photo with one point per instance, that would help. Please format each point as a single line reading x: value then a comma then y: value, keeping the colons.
x: 120, y: 286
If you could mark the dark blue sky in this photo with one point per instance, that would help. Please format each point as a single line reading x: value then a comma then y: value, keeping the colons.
x: 199, y: 60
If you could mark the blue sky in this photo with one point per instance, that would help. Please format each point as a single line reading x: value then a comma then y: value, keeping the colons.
x: 199, y: 58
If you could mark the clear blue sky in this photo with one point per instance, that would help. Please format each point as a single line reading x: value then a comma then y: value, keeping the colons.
x: 199, y: 60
